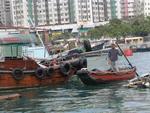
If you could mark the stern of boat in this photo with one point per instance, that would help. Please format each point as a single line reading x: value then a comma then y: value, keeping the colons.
x: 85, y: 77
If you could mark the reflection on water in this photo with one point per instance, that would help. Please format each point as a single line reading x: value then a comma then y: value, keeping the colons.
x: 74, y: 97
x: 97, y: 99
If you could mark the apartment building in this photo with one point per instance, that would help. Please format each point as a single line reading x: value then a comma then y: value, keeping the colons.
x: 42, y: 12
x: 89, y: 11
x: 127, y: 9
x: 131, y: 8
x: 5, y: 13
x: 98, y: 11
x: 139, y: 7
x: 54, y: 12
x: 64, y: 12
x: 112, y: 9
x: 20, y: 15
x: 146, y: 4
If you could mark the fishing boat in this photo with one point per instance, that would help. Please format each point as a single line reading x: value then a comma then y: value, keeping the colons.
x: 140, y: 82
x: 19, y: 71
x: 101, y: 77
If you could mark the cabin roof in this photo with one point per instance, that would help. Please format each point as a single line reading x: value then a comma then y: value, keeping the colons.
x: 132, y: 38
x: 8, y: 39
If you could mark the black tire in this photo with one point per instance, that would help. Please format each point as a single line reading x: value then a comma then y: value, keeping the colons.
x: 75, y: 64
x: 50, y: 71
x: 87, y: 45
x: 40, y: 73
x: 83, y: 63
x: 65, y: 69
x: 94, y: 69
x: 18, y: 74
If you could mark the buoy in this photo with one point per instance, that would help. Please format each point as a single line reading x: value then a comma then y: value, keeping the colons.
x: 128, y: 52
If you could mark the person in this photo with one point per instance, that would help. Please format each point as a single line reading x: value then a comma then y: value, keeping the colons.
x: 113, y: 57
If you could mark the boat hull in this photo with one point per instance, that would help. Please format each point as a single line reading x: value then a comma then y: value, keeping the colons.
x: 30, y: 80
x: 26, y: 73
x: 100, y: 77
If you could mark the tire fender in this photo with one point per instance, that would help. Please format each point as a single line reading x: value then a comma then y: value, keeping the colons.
x: 83, y: 63
x: 50, y: 71
x: 65, y: 69
x: 40, y: 73
x: 18, y: 74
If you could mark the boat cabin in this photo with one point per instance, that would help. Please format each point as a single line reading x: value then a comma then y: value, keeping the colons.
x: 33, y: 49
x: 12, y: 46
x: 134, y: 40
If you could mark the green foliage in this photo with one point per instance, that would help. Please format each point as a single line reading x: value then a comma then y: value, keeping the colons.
x: 95, y: 33
x: 118, y: 28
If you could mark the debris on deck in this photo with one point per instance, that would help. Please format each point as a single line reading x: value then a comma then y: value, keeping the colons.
x: 142, y: 82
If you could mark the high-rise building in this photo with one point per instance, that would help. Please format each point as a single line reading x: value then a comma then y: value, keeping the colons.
x: 131, y: 8
x: 20, y: 15
x: 139, y: 7
x: 5, y: 12
x: 146, y: 4
x: 64, y: 12
x: 89, y: 11
x: 127, y: 9
x: 52, y: 12
x: 112, y: 9
x: 98, y: 11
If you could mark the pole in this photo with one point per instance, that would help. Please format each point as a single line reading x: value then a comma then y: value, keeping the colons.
x: 38, y: 35
x: 126, y: 58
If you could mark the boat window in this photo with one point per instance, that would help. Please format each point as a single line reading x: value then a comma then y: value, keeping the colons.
x: 12, y: 51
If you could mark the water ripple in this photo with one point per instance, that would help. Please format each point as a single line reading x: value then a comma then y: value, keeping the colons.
x: 75, y: 97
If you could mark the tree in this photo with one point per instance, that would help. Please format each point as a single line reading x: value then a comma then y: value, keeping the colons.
x: 95, y: 33
x: 117, y: 28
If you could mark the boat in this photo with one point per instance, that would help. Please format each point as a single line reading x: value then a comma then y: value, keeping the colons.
x: 85, y: 49
x: 96, y: 76
x: 19, y: 71
x: 141, y: 48
x: 141, y: 82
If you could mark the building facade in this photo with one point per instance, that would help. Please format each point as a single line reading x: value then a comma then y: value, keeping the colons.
x: 131, y: 8
x: 64, y: 12
x: 90, y: 11
x: 5, y: 12
x: 54, y: 12
x: 127, y: 9
x: 146, y: 4
x: 112, y: 9
x: 20, y: 15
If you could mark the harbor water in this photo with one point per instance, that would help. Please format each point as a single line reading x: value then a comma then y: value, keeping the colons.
x: 74, y: 97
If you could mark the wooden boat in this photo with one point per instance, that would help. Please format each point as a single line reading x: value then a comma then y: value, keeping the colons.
x: 18, y: 71
x: 142, y: 48
x: 141, y: 82
x: 100, y: 77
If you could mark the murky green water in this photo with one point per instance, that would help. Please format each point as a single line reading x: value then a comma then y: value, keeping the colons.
x: 74, y: 97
